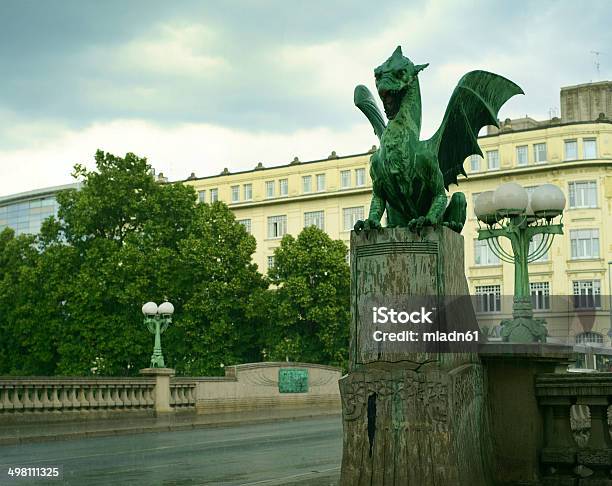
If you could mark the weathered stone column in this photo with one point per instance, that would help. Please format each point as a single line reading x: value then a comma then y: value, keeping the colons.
x: 411, y: 418
x: 162, y: 388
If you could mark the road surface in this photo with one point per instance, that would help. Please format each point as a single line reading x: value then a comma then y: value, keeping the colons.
x: 301, y: 452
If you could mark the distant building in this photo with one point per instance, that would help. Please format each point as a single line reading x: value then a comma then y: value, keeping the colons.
x: 586, y: 102
x: 25, y: 212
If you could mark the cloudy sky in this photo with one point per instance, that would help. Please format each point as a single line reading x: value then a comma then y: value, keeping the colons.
x: 196, y: 86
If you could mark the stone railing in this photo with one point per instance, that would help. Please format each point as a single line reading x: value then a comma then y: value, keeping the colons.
x: 159, y: 392
x: 577, y: 445
x: 22, y: 395
x: 182, y: 393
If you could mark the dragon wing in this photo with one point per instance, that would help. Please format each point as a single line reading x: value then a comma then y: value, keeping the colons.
x: 474, y: 104
x: 367, y: 104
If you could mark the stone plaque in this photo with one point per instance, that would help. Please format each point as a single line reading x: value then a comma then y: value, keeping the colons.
x: 293, y: 380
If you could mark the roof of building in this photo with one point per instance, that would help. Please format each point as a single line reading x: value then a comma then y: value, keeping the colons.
x: 35, y: 193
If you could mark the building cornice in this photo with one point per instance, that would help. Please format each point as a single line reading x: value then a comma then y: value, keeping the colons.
x: 300, y: 198
x: 536, y: 168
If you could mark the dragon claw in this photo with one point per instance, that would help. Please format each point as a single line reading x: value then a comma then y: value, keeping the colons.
x: 367, y: 225
x: 416, y: 225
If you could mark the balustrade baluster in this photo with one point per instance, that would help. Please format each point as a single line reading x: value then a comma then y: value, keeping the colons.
x: 37, y: 391
x: 600, y: 437
x: 45, y: 398
x: 74, y: 396
x: 5, y: 397
x: 120, y: 395
x: 28, y: 404
x: 16, y: 398
x: 62, y: 397
x: 111, y: 402
x: 93, y: 395
x: 55, y: 392
x: 150, y: 399
x: 129, y: 395
x: 82, y: 397
x: 142, y: 399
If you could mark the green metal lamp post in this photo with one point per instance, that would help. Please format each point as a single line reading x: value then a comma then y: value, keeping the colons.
x: 157, y: 320
x: 510, y: 212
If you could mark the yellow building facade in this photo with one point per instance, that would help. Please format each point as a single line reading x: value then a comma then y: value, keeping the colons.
x: 335, y: 192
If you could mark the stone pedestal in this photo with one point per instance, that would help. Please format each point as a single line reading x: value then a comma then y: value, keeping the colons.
x: 411, y: 418
x: 162, y: 388
x: 517, y: 424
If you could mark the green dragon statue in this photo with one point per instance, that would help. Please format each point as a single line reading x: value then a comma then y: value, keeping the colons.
x: 410, y: 177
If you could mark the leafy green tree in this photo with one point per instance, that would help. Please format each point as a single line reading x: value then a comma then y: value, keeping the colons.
x: 310, y: 305
x: 119, y: 241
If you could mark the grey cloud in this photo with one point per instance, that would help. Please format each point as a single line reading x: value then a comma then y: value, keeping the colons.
x: 60, y: 63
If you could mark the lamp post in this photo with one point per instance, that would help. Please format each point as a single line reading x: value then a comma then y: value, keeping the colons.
x: 157, y: 320
x: 511, y: 213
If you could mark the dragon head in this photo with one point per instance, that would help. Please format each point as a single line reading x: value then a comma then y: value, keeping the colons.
x: 393, y: 78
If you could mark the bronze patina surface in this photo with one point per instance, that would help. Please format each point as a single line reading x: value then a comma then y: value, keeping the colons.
x: 410, y: 176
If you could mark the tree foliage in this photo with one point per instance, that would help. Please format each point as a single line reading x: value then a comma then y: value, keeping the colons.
x: 70, y: 299
x: 310, y: 305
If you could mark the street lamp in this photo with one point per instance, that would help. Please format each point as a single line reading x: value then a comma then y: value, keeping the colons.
x: 509, y: 211
x: 157, y: 320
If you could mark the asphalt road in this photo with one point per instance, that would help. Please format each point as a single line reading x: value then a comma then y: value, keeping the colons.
x: 304, y: 452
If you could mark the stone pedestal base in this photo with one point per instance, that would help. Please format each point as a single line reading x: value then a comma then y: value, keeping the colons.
x: 162, y: 388
x: 415, y: 428
x: 411, y: 418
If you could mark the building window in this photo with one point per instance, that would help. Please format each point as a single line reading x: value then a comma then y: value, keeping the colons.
x: 483, y: 254
x: 493, y: 159
x: 320, y: 182
x: 202, y: 196
x: 475, y: 163
x: 345, y: 179
x: 521, y: 155
x: 360, y: 177
x: 277, y: 226
x: 539, y: 153
x: 350, y: 216
x: 246, y: 223
x: 534, y: 244
x: 307, y: 184
x: 270, y: 262
x: 248, y: 192
x: 571, y: 150
x: 587, y: 294
x: 540, y: 295
x: 283, y: 186
x: 589, y: 338
x: 314, y: 218
x: 214, y: 195
x: 585, y: 243
x: 235, y: 194
x: 590, y: 148
x: 488, y: 298
x: 269, y: 188
x: 583, y: 194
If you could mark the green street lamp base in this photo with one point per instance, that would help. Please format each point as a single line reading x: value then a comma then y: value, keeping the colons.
x: 524, y: 330
x: 157, y: 361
